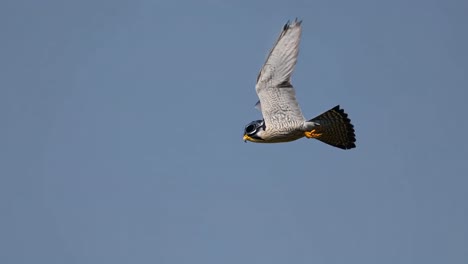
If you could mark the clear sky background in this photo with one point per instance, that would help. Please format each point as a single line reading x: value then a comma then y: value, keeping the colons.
x: 122, y: 122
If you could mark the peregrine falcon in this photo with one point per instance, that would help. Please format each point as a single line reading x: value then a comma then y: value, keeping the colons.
x: 282, y: 117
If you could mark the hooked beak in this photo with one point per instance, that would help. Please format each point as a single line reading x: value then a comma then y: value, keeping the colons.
x: 246, y: 138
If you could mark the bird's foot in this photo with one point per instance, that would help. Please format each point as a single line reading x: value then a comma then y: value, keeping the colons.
x: 312, y: 134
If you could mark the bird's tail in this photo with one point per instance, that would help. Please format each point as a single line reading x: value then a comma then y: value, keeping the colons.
x: 334, y: 128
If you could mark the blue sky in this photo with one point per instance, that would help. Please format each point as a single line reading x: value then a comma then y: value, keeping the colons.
x: 122, y: 133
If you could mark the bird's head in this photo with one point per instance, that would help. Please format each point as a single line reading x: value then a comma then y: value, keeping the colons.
x: 253, y: 131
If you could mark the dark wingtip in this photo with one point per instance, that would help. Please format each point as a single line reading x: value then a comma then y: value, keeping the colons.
x: 289, y: 24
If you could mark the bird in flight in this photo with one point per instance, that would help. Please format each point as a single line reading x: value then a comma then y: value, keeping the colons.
x: 282, y: 117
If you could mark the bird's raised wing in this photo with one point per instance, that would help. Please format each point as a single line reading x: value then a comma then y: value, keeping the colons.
x: 276, y: 94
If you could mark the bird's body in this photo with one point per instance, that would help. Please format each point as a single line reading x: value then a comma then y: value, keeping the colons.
x: 282, y: 117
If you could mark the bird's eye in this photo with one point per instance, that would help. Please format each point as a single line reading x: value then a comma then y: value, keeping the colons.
x: 250, y: 129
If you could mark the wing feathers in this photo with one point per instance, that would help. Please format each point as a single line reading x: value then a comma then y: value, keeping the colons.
x: 274, y: 89
x: 283, y: 57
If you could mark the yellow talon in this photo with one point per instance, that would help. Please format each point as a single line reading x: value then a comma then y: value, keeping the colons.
x: 312, y: 134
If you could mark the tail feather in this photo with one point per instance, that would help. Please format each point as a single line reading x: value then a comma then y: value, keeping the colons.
x: 335, y: 128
